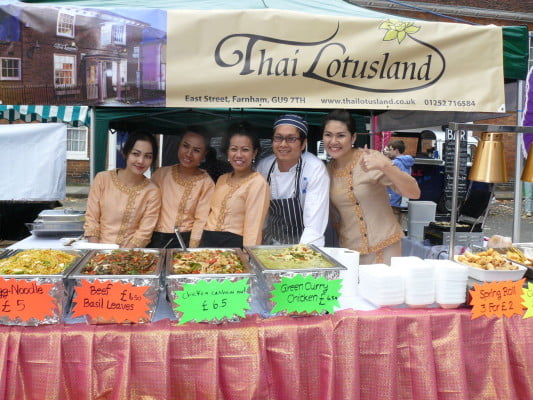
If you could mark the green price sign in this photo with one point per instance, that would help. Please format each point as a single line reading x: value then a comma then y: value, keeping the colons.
x: 209, y: 300
x: 306, y: 294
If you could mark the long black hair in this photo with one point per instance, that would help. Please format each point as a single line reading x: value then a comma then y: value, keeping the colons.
x: 143, y: 136
x: 343, y: 116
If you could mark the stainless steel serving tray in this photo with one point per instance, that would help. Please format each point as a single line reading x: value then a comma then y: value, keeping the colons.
x: 59, y: 290
x: 152, y: 280
x: 267, y: 277
x: 335, y: 265
x: 61, y: 215
x: 55, y: 229
x: 175, y: 282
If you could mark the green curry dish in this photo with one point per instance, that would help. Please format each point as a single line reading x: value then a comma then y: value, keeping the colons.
x: 294, y: 257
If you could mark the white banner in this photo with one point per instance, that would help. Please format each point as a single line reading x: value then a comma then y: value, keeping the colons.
x: 273, y: 59
x: 33, y: 162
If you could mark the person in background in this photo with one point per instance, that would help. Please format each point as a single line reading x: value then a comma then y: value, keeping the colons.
x: 123, y: 205
x: 186, y: 191
x: 299, y: 187
x: 239, y: 204
x: 360, y: 209
x: 528, y: 195
x: 394, y: 150
x: 213, y: 166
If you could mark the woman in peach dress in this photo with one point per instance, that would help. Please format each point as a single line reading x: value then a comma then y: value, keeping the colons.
x: 240, y: 203
x: 359, y: 203
x: 186, y: 191
x: 123, y: 205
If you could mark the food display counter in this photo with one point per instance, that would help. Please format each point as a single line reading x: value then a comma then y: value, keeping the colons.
x: 386, y: 353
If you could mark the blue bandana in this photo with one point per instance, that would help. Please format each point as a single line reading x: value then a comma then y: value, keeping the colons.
x: 294, y: 120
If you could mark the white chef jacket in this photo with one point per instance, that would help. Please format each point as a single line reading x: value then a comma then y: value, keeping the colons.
x: 314, y: 193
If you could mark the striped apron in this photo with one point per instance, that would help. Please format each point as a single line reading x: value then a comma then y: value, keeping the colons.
x: 285, y: 222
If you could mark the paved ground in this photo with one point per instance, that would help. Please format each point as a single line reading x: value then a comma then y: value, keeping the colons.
x: 499, y: 220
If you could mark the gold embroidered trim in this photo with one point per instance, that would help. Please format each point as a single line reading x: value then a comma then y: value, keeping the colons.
x: 135, y: 242
x: 234, y: 186
x: 128, y: 189
x: 95, y: 233
x: 342, y: 172
x: 386, y: 243
x: 346, y: 174
x: 132, y: 192
x: 188, y: 184
x: 379, y: 257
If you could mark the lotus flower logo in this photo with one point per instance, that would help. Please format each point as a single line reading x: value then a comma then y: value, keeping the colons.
x: 398, y: 29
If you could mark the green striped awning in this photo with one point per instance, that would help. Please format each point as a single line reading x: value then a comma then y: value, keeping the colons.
x: 73, y: 115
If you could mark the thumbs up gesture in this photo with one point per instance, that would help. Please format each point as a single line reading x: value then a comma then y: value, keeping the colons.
x: 373, y: 160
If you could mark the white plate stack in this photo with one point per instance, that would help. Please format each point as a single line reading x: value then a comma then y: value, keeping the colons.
x: 450, y: 283
x: 381, y: 284
x: 419, y: 280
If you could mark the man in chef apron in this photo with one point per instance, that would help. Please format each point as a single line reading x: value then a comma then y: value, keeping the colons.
x: 299, y: 187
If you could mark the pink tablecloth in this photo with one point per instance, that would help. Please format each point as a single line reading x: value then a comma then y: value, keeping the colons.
x: 382, y: 354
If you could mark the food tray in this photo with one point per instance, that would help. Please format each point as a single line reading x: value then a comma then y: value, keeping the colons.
x: 485, y: 275
x: 525, y: 248
x: 58, y: 290
x: 55, y: 229
x: 267, y: 277
x: 175, y: 282
x: 152, y: 280
x: 63, y: 215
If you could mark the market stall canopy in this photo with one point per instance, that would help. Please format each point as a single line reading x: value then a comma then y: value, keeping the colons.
x: 213, y: 67
x: 330, y: 7
x: 72, y: 115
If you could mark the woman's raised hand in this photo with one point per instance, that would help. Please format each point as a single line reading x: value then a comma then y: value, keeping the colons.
x: 374, y: 160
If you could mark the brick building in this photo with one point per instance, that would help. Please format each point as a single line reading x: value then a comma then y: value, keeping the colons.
x: 66, y: 55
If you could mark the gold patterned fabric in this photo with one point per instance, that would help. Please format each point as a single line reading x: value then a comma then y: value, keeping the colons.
x: 121, y: 214
x: 185, y: 201
x: 361, y: 211
x: 367, y: 355
x: 240, y: 208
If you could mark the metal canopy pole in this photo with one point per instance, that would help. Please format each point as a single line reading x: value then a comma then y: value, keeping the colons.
x: 486, y: 128
x: 455, y: 184
x: 519, y: 165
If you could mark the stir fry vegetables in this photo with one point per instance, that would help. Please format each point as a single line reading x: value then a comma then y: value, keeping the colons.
x: 294, y: 257
x: 207, y: 262
x: 121, y: 262
x: 36, y: 262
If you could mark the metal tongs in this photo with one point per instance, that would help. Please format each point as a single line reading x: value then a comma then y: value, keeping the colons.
x: 180, y: 239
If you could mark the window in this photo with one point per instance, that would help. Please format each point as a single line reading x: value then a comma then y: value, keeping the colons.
x: 10, y: 69
x: 119, y: 34
x: 65, y: 24
x: 112, y: 34
x: 77, y: 143
x: 64, y: 71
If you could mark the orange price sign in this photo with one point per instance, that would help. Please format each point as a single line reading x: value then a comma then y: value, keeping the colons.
x: 26, y: 299
x: 111, y: 300
x: 497, y: 299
